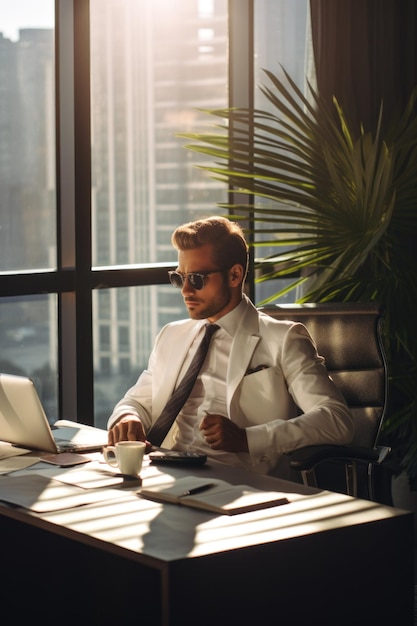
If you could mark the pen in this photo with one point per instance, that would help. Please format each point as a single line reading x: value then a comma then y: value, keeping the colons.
x: 191, y: 492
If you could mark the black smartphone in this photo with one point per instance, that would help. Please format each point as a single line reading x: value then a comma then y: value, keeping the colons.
x: 177, y: 457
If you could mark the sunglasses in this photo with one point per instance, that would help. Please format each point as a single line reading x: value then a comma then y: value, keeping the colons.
x: 196, y: 279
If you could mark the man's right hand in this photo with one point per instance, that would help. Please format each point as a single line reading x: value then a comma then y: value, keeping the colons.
x: 128, y: 428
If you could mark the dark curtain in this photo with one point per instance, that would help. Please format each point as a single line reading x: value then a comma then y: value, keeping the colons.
x: 365, y: 51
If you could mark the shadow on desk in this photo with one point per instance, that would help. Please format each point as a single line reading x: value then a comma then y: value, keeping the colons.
x: 136, y: 561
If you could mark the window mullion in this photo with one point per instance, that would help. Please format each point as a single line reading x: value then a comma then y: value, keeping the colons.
x: 74, y: 208
x: 241, y: 89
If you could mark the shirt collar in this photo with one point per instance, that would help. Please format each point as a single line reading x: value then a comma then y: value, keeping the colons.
x: 230, y: 321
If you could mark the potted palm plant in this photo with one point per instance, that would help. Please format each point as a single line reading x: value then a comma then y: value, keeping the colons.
x: 338, y: 208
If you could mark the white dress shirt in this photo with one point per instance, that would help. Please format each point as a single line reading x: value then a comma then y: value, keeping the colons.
x: 209, y: 392
x: 263, y: 374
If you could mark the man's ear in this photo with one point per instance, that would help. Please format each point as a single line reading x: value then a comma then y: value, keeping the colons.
x: 235, y: 275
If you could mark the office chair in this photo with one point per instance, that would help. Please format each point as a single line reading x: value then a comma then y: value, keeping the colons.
x: 348, y: 336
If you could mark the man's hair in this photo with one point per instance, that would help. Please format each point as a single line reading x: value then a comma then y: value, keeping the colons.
x: 226, y: 237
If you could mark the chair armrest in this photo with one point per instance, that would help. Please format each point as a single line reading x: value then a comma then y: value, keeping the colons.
x: 310, y: 456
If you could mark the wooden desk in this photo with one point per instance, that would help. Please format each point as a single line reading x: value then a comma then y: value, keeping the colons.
x: 325, y: 558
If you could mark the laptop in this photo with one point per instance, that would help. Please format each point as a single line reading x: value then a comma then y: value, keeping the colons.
x: 23, y: 422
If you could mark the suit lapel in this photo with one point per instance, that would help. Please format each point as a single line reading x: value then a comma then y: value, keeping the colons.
x: 243, y: 346
x: 174, y: 356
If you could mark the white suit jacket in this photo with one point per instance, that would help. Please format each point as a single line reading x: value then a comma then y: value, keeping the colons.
x: 290, y: 403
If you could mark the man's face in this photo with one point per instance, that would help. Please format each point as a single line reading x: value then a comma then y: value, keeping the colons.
x: 217, y: 297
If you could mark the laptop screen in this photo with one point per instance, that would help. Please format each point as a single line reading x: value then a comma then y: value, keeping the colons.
x: 23, y: 421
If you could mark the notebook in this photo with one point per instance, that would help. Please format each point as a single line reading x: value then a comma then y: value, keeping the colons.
x: 215, y: 495
x: 23, y: 422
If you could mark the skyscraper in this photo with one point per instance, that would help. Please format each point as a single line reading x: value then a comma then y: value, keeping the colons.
x: 154, y: 64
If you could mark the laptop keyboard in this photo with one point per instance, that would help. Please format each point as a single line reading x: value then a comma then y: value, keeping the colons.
x: 64, y: 443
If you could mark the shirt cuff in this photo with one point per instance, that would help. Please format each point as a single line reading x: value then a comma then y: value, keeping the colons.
x: 259, y: 445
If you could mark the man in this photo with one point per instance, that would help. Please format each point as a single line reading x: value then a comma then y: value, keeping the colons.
x: 262, y: 390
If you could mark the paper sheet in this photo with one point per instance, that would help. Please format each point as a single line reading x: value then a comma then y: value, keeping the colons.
x: 91, y: 477
x: 41, y: 495
x: 15, y: 463
x: 8, y: 450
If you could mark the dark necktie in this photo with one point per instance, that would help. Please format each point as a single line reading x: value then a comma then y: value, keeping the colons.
x: 159, y: 430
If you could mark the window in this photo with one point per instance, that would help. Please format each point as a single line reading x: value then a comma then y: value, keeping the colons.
x: 92, y: 187
x: 28, y: 322
x: 289, y: 19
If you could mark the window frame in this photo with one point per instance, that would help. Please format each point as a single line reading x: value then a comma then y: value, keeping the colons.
x: 74, y: 279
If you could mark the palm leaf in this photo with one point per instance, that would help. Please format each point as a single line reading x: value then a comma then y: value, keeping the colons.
x: 336, y: 206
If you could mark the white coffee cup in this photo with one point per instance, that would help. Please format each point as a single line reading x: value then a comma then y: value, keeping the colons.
x: 126, y: 455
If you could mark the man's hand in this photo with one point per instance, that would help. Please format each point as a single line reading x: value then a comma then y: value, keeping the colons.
x: 128, y: 428
x: 222, y: 434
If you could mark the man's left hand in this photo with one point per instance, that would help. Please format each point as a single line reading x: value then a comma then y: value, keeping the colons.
x: 221, y: 433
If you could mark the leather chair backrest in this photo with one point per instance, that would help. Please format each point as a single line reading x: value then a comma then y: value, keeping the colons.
x: 349, y: 337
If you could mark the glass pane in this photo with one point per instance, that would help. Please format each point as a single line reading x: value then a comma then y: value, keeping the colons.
x: 280, y: 39
x: 27, y: 135
x: 153, y: 64
x: 28, y: 344
x: 125, y: 326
